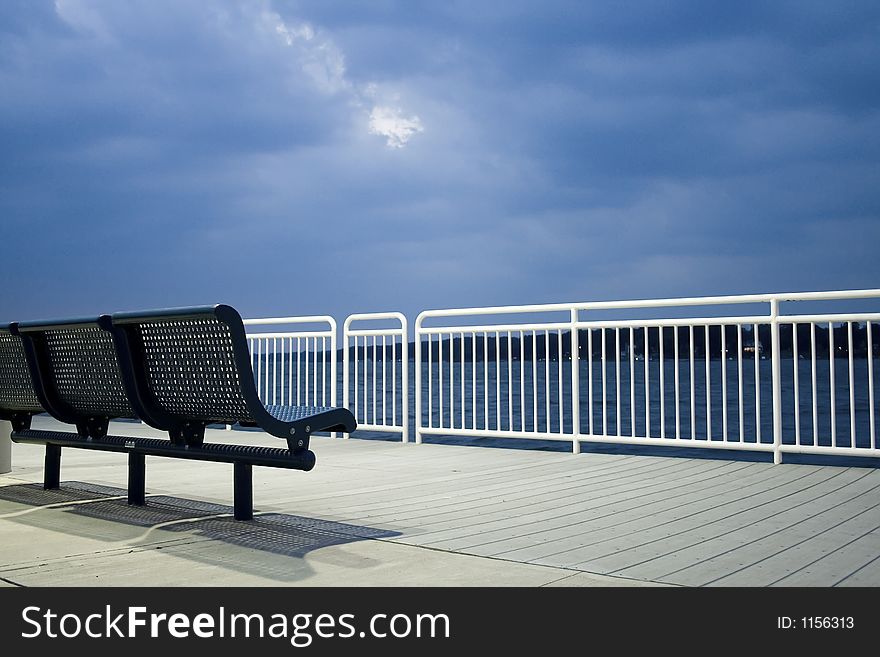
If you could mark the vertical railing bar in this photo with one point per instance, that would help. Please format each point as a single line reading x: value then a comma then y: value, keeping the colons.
x: 708, y: 389
x: 306, y: 359
x: 814, y: 383
x: 510, y: 381
x: 522, y: 382
x: 486, y: 380
x: 334, y: 383
x: 462, y: 382
x: 872, y: 443
x: 299, y: 387
x: 604, y: 386
x: 535, y: 381
x: 796, y: 375
x: 739, y: 374
x: 366, y: 378
x: 430, y: 381
x: 662, y: 386
x: 498, y: 380
x: 461, y: 375
x: 417, y: 382
x: 265, y: 383
x: 617, y: 378
x: 290, y: 371
x: 547, y: 379
x: 451, y: 381
x: 440, y: 378
x: 384, y: 381
x: 259, y: 350
x: 590, y: 376
x: 281, y: 381
x: 632, y: 383
x: 394, y: 375
x: 274, y: 370
x: 375, y: 364
x: 575, y: 383
x: 677, y: 384
x: 724, y: 383
x: 831, y: 377
x: 354, y: 380
x: 647, y: 357
x: 757, y: 386
x: 315, y: 373
x: 559, y: 371
x: 474, y: 380
x: 852, y: 392
x: 324, y: 370
x: 251, y: 352
x: 266, y: 372
x: 692, y: 374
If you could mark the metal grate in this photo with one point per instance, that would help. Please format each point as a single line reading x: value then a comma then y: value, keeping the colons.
x: 191, y: 369
x: 16, y: 386
x: 86, y: 371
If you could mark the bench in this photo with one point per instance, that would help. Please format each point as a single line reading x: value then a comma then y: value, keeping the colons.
x: 178, y: 370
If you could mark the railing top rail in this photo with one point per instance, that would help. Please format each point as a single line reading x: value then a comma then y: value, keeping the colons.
x: 288, y: 334
x: 356, y: 317
x: 652, y: 303
x: 492, y: 328
x: 308, y: 319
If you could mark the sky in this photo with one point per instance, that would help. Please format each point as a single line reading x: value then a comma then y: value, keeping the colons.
x: 321, y: 157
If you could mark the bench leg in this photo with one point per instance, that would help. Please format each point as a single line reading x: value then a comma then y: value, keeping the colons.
x: 244, y: 491
x: 52, y: 467
x: 137, y: 477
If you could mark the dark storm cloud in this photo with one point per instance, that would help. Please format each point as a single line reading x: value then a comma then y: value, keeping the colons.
x: 306, y: 157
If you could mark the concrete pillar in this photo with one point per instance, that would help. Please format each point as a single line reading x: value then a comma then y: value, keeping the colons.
x: 5, y: 447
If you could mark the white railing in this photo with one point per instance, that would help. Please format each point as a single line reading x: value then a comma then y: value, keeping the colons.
x: 294, y: 367
x: 562, y: 372
x: 736, y: 374
x: 375, y: 373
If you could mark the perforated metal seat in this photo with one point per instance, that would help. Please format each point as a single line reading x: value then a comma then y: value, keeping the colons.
x: 18, y: 400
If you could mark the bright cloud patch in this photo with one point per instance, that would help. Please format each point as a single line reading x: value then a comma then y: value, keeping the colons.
x: 397, y: 129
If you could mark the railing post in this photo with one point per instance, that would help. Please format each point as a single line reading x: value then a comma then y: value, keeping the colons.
x: 346, y: 363
x: 575, y: 385
x: 775, y: 363
x: 5, y: 447
x: 333, y: 331
x: 404, y: 379
x: 417, y: 373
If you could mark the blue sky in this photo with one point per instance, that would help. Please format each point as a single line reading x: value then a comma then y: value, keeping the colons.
x: 320, y: 157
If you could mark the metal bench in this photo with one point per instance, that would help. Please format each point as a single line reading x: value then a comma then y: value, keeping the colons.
x: 179, y: 370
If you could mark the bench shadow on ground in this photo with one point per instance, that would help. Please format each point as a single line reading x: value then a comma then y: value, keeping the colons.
x: 272, y: 545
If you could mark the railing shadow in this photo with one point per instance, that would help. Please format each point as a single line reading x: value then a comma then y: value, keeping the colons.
x: 272, y: 545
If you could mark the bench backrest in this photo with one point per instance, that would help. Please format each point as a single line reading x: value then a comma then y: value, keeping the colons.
x: 79, y: 379
x: 17, y: 394
x: 189, y: 364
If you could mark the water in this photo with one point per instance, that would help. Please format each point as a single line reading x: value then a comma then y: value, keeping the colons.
x: 515, y: 399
